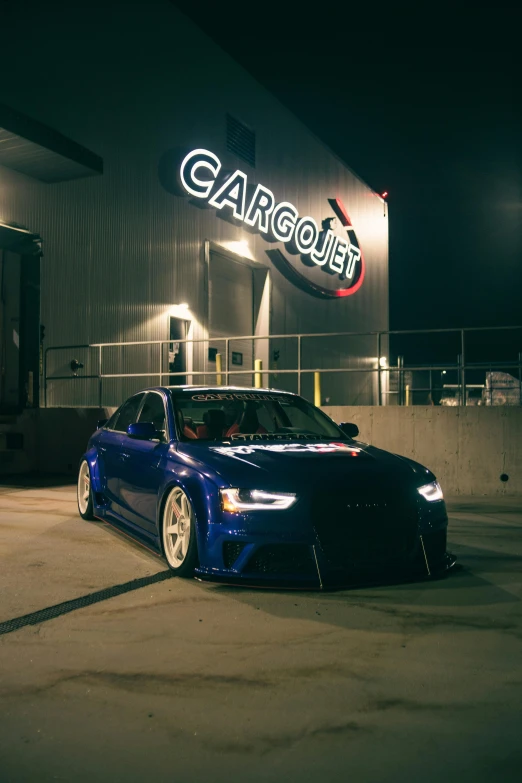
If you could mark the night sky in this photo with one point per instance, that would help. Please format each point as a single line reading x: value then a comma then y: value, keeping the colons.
x: 423, y: 104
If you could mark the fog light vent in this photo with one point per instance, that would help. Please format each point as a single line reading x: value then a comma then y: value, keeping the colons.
x: 231, y: 552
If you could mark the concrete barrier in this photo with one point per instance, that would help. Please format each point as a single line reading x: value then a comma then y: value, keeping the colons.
x: 63, y: 434
x: 468, y: 449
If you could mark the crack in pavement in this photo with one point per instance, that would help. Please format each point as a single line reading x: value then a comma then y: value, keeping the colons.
x: 263, y: 745
x: 167, y: 683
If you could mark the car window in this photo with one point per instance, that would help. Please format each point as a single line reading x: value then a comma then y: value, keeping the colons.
x: 112, y: 421
x: 306, y: 420
x: 154, y: 411
x: 128, y: 413
x: 218, y: 415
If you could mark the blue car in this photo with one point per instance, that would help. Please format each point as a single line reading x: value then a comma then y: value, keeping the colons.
x: 259, y: 487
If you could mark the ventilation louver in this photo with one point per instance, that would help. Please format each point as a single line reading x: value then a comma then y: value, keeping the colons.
x: 241, y: 140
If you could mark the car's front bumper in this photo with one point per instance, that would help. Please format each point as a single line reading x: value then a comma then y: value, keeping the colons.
x: 284, y: 549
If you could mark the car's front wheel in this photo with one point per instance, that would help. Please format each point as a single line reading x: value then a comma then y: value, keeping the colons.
x: 84, y: 491
x: 179, y: 533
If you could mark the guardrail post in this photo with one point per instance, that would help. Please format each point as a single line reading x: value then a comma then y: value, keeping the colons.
x: 407, y: 395
x: 463, y: 366
x: 317, y: 389
x: 219, y: 379
x: 100, y: 379
x: 45, y: 377
x: 379, y: 381
x: 520, y: 378
x: 258, y: 366
x: 400, y: 379
x: 299, y: 364
x: 227, y: 360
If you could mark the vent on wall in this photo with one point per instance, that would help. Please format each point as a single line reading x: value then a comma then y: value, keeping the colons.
x: 241, y: 140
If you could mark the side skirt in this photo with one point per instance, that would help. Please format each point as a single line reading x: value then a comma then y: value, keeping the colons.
x: 132, y: 531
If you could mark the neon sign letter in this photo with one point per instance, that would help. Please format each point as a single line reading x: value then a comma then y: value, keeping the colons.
x: 199, y: 172
x: 190, y: 166
x: 232, y: 194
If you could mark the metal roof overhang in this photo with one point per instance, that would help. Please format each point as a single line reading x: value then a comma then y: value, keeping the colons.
x: 35, y: 149
x: 20, y: 240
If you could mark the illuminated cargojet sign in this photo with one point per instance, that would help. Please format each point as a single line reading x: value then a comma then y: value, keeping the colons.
x: 257, y: 209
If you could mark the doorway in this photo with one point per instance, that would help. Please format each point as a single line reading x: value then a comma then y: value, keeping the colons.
x: 178, y: 330
x: 238, y: 306
x: 20, y: 331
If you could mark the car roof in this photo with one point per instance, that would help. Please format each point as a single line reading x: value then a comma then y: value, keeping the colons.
x: 175, y: 390
x: 181, y: 391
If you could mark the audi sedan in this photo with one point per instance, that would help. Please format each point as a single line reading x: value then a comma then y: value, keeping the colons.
x: 257, y: 486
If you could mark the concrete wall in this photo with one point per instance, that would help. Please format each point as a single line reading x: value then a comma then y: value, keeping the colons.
x: 54, y: 439
x: 63, y: 434
x: 467, y: 448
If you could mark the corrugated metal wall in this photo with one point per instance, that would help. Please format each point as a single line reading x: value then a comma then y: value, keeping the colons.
x: 119, y: 250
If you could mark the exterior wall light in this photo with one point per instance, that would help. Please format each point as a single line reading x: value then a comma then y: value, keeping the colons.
x: 240, y: 247
x: 180, y: 310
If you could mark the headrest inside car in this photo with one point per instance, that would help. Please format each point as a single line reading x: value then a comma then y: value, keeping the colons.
x: 215, y: 421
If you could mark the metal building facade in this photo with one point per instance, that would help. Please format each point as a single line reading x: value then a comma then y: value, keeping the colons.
x: 120, y: 251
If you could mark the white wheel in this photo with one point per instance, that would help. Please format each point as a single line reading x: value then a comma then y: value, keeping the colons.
x: 179, y: 534
x: 84, y: 494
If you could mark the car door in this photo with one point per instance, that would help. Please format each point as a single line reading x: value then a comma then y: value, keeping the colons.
x: 143, y: 466
x: 110, y: 442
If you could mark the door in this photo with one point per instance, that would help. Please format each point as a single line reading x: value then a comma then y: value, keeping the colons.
x: 10, y: 275
x: 178, y: 329
x: 19, y: 331
x: 142, y: 467
x: 110, y: 447
x: 231, y: 312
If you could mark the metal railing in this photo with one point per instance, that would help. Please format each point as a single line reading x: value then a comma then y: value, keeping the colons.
x: 389, y: 379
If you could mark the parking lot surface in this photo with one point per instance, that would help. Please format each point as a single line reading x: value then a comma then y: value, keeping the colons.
x: 162, y: 679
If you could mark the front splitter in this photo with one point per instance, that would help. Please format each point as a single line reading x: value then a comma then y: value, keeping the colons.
x: 340, y: 580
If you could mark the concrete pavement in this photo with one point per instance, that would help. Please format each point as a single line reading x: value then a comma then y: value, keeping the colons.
x: 183, y: 681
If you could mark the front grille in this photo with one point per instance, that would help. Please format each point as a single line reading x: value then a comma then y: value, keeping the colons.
x: 231, y: 552
x: 281, y: 559
x: 369, y: 524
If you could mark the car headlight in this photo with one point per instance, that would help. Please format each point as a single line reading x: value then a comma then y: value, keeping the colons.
x: 431, y: 491
x: 255, y: 500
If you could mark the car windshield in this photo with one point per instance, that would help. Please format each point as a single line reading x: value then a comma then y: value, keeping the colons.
x: 215, y: 415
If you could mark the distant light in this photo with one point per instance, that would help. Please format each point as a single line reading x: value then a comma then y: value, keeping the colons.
x: 385, y: 194
x: 444, y: 372
x: 383, y: 361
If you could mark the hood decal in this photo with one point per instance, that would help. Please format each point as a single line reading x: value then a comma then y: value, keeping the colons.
x: 287, y: 448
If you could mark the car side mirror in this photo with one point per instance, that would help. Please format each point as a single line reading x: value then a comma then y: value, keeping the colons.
x: 142, y: 430
x: 101, y: 423
x: 350, y: 429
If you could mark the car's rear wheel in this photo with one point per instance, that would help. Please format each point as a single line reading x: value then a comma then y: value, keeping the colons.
x: 84, y: 491
x: 179, y: 533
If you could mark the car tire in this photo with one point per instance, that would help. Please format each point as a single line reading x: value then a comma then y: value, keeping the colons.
x: 84, y: 492
x: 178, y: 533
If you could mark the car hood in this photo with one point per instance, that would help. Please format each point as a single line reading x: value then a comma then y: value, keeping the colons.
x: 276, y: 465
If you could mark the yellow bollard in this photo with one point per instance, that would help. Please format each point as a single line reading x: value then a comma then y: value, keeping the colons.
x: 317, y: 389
x: 258, y: 366
x: 407, y: 401
x: 219, y: 380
